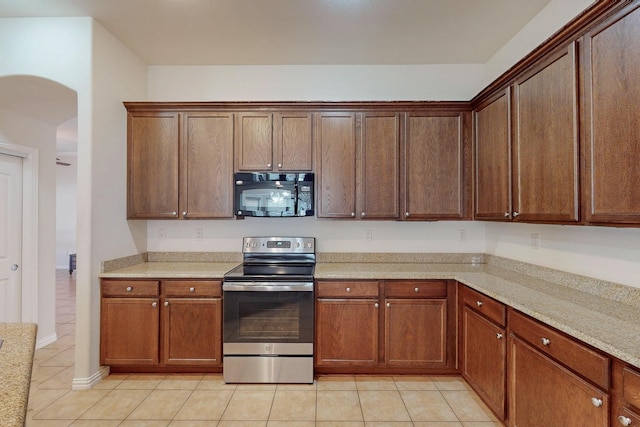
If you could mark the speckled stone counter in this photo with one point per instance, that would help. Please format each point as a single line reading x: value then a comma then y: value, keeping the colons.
x: 16, y: 362
x: 603, y: 314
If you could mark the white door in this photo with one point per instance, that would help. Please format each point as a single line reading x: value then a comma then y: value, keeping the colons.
x: 10, y: 238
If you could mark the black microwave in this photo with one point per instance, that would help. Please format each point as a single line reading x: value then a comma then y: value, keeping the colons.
x: 273, y: 194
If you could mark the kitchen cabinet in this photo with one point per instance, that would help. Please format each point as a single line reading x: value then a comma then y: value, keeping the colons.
x: 553, y: 379
x: 267, y: 141
x: 180, y: 165
x: 161, y: 326
x: 546, y: 140
x: 626, y: 395
x: 152, y: 164
x: 436, y: 161
x: 527, y: 145
x: 412, y: 334
x: 358, y: 165
x: 483, y: 347
x: 129, y: 322
x: 611, y: 106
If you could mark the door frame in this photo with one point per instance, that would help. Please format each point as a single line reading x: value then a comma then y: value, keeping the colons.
x: 29, y: 286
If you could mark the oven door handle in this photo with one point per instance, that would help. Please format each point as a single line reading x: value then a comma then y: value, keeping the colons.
x: 268, y: 286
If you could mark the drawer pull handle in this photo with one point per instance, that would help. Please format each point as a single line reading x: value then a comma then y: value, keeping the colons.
x: 348, y: 289
x: 479, y: 303
x: 129, y: 288
x: 546, y: 341
x: 625, y: 421
x: 154, y: 304
x: 596, y: 402
x: 499, y: 335
x: 416, y: 289
x: 376, y: 305
x: 192, y: 289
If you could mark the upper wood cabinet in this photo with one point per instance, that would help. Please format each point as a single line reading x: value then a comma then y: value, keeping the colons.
x: 527, y: 146
x: 180, y: 165
x: 436, y: 159
x: 274, y: 141
x: 546, y: 181
x: 335, y: 143
x: 493, y: 157
x: 611, y: 129
x: 152, y: 164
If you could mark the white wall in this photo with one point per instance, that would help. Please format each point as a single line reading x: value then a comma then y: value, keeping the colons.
x: 66, y: 209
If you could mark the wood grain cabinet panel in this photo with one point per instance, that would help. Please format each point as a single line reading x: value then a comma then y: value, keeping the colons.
x: 436, y: 159
x: 545, y: 142
x: 152, y: 165
x: 612, y: 113
x: 206, y: 189
x: 254, y: 141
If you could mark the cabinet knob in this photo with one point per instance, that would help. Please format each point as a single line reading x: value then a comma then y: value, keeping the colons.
x: 348, y: 289
x: 479, y: 303
x: 546, y: 341
x: 499, y: 335
x: 268, y: 165
x: 406, y: 214
x: 353, y: 214
x: 362, y: 214
x: 376, y: 305
x: 596, y: 402
x: 506, y: 215
x: 154, y: 304
x: 388, y: 304
x: 625, y: 421
x: 192, y: 289
x: 184, y: 213
x: 416, y: 289
x: 279, y: 165
x: 129, y: 288
x: 515, y: 214
x: 166, y: 303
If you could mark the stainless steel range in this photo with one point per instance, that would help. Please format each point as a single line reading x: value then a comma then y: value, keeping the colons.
x: 268, y: 312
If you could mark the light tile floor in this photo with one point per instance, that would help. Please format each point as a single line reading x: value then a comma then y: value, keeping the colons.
x: 204, y: 400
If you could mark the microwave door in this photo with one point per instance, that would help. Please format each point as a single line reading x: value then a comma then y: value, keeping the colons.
x: 268, y: 201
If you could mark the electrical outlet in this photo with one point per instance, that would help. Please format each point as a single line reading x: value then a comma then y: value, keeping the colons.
x: 535, y: 240
x: 198, y: 233
x: 462, y: 235
x: 162, y: 233
x: 368, y: 235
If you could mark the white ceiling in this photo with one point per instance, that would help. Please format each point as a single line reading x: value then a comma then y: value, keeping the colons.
x: 258, y: 32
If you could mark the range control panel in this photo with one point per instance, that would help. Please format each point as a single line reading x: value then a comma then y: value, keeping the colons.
x: 304, y: 245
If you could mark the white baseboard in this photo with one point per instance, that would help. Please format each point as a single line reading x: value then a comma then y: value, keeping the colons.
x: 88, y: 383
x: 45, y: 341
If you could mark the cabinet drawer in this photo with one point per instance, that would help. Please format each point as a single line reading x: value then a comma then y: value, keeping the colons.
x: 576, y: 356
x: 631, y: 387
x: 366, y: 289
x: 416, y: 289
x: 192, y: 288
x: 627, y: 417
x: 130, y: 288
x: 490, y: 308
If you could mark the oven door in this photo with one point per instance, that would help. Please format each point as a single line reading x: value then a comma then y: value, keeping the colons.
x: 264, y: 318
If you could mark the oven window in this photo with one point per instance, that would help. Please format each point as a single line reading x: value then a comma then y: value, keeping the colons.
x: 274, y: 317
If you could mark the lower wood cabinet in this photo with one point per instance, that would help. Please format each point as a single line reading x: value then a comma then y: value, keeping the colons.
x: 152, y: 325
x: 625, y: 390
x: 385, y: 327
x: 546, y: 392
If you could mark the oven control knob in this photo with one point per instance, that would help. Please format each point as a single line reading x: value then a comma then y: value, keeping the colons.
x: 309, y: 245
x: 297, y: 244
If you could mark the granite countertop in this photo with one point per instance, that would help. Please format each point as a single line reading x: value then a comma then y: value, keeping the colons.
x: 603, y: 314
x: 16, y: 362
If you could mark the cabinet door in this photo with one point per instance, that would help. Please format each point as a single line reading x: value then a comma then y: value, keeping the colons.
x: 493, y: 158
x: 543, y: 393
x: 152, y: 165
x: 484, y: 359
x: 346, y: 332
x: 192, y: 329
x: 293, y: 141
x: 546, y: 150
x: 379, y: 166
x: 254, y: 141
x: 437, y: 159
x: 336, y: 165
x: 129, y: 331
x: 207, y: 165
x: 612, y: 114
x: 416, y: 333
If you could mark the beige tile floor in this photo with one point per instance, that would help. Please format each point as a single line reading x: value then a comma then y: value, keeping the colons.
x: 204, y: 400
